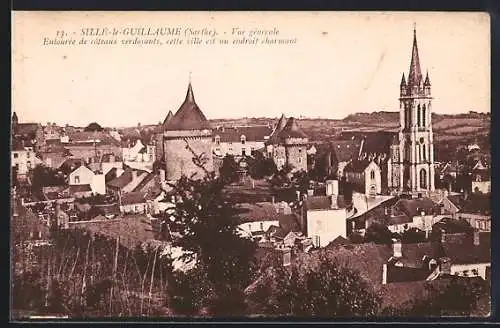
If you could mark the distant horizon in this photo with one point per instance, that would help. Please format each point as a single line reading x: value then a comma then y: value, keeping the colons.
x: 244, y: 117
x: 342, y: 63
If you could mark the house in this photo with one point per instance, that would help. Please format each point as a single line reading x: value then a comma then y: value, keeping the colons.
x: 134, y: 150
x: 52, y: 132
x: 88, y: 145
x: 127, y: 181
x: 325, y: 216
x: 22, y: 159
x: 345, y: 151
x: 364, y: 176
x: 85, y: 176
x: 255, y: 219
x: 240, y: 141
x: 30, y: 134
x: 133, y: 203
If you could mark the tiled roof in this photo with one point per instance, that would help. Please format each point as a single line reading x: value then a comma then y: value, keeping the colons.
x: 133, y: 198
x: 70, y: 164
x: 376, y: 142
x: 263, y: 211
x: 338, y: 241
x: 291, y: 130
x: 251, y: 133
x: 323, y: 202
x: 167, y: 119
x: 86, y: 137
x: 188, y: 116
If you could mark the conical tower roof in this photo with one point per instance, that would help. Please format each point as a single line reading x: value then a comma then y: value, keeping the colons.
x: 188, y: 116
x: 170, y: 115
x: 291, y: 130
x: 415, y: 74
x: 403, y: 81
x: 427, y: 80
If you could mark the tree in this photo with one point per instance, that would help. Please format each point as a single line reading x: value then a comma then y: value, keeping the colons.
x: 413, y: 235
x: 204, y: 225
x: 260, y: 166
x: 93, y: 127
x: 378, y: 233
x: 328, y: 290
x: 229, y: 170
x: 458, y: 297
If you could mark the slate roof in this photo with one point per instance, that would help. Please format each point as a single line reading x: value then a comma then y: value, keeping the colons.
x: 279, y: 126
x: 188, y: 116
x: 406, y: 274
x: 70, y: 164
x: 111, y: 175
x: 124, y: 179
x: 412, y: 207
x: 291, y: 130
x: 357, y: 166
x: 413, y: 254
x: 376, y: 142
x: 133, y: 198
x: 346, y: 150
x: 252, y: 133
x: 323, y: 202
x: 287, y: 223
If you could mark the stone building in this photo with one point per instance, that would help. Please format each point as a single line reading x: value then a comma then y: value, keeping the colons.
x: 287, y: 145
x: 187, y: 135
x: 412, y: 155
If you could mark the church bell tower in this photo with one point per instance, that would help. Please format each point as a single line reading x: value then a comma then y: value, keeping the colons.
x: 416, y: 149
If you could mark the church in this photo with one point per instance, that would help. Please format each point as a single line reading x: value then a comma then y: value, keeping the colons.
x: 411, y: 163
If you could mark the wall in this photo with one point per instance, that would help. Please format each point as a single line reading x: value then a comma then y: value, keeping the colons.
x: 180, y: 159
x: 134, y: 208
x: 81, y: 176
x: 480, y: 267
x: 481, y: 222
x: 24, y: 160
x: 98, y: 184
x: 297, y: 157
x: 373, y: 185
x: 235, y: 148
x: 327, y: 224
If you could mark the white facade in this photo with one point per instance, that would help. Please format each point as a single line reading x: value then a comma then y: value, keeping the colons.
x: 325, y: 225
x: 24, y: 160
x: 134, y: 154
x: 470, y: 270
x: 83, y: 176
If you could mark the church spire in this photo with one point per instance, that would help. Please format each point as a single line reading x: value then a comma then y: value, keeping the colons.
x: 427, y: 80
x: 190, y: 94
x: 403, y: 81
x: 415, y: 74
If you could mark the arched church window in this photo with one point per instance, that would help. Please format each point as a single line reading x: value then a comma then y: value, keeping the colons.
x: 423, y: 115
x: 418, y: 115
x: 424, y: 154
x: 423, y: 178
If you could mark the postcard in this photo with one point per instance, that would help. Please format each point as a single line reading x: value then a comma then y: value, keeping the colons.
x: 179, y: 165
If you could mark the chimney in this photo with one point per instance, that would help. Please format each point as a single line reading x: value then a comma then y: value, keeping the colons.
x: 384, y: 274
x: 332, y: 187
x: 476, y: 238
x: 333, y: 201
x: 397, y: 248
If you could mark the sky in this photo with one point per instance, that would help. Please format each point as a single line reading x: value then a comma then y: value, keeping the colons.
x: 342, y: 63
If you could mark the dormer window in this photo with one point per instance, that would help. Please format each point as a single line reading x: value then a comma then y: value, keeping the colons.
x: 243, y: 139
x: 217, y: 140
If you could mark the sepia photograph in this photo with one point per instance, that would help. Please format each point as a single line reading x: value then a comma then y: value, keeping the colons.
x: 250, y: 165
